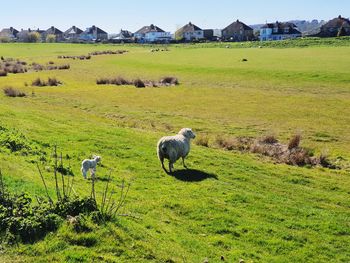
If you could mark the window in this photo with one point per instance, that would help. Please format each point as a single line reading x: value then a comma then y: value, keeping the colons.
x: 286, y: 30
x: 275, y: 29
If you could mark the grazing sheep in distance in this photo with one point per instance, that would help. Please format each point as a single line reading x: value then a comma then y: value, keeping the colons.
x: 87, y: 165
x: 175, y: 147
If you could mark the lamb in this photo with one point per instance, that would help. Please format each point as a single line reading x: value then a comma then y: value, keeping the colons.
x: 87, y: 165
x: 174, y: 147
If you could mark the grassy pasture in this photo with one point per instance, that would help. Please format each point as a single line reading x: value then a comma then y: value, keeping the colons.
x: 230, y: 204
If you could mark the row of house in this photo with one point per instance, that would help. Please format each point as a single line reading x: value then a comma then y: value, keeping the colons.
x: 237, y: 32
x: 73, y: 34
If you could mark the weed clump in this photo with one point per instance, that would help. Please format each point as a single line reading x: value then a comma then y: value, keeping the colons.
x: 3, y: 73
x: 139, y: 83
x: 50, y: 82
x: 291, y: 153
x: 11, y: 92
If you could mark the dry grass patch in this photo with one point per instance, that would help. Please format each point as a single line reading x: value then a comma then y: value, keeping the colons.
x: 11, y: 92
x: 291, y: 153
x: 138, y: 83
x: 42, y: 83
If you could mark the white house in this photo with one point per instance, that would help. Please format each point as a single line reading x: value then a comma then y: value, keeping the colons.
x: 189, y: 32
x: 151, y: 34
x: 279, y: 31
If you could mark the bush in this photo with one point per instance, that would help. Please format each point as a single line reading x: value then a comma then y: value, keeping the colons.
x: 119, y: 81
x: 37, y: 82
x: 294, y: 142
x: 202, y: 141
x: 269, y: 139
x: 50, y: 82
x: 139, y: 83
x: 169, y: 81
x: 102, y: 81
x: 3, y: 73
x: 50, y: 38
x: 65, y: 66
x: 11, y: 92
x: 53, y: 82
x: 34, y: 37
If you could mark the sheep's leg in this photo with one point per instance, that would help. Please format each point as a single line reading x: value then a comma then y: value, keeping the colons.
x: 83, y: 172
x: 170, y: 167
x: 183, y: 162
x: 162, y: 162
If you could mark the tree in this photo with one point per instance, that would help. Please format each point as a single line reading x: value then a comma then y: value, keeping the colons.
x: 50, y: 38
x: 34, y: 37
x: 341, y: 32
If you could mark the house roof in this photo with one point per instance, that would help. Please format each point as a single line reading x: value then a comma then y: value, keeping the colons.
x: 188, y: 28
x: 338, y: 22
x: 125, y: 33
x: 147, y: 29
x: 54, y: 31
x: 9, y: 31
x: 94, y: 29
x: 73, y: 30
x: 238, y: 25
x: 281, y: 26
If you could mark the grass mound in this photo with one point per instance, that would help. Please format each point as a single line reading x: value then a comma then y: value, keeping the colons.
x: 11, y: 92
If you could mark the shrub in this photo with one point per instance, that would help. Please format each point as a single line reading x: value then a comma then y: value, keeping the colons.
x: 139, y: 83
x: 37, y: 82
x: 37, y: 66
x: 203, y: 141
x: 34, y: 37
x: 66, y: 66
x: 50, y: 38
x: 53, y: 82
x: 119, y: 81
x: 169, y: 81
x: 102, y: 81
x: 3, y: 73
x: 269, y: 139
x: 11, y: 92
x: 294, y: 142
x: 50, y: 82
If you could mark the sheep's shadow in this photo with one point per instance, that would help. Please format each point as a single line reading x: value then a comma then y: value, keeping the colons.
x: 192, y: 175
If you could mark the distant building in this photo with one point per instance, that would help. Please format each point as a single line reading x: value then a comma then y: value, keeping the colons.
x: 93, y: 33
x: 189, y: 32
x: 279, y: 31
x: 124, y: 36
x: 152, y: 34
x: 10, y: 33
x: 237, y: 31
x: 339, y: 26
x: 72, y: 34
x: 23, y: 35
x: 53, y: 31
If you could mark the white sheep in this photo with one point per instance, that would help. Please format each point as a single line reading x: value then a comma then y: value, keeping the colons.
x: 174, y: 147
x: 87, y: 165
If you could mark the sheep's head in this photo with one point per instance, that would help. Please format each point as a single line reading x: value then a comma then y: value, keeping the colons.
x: 97, y: 158
x: 188, y: 133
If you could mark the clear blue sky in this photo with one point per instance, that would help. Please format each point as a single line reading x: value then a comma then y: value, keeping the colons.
x: 132, y: 14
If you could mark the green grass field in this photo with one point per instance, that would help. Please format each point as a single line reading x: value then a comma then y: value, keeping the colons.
x: 229, y: 204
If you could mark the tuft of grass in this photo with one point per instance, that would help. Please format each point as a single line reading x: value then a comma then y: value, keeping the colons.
x: 202, y: 140
x: 294, y: 142
x: 3, y: 73
x: 167, y: 81
x: 269, y: 139
x: 42, y: 83
x: 139, y: 83
x: 11, y: 92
